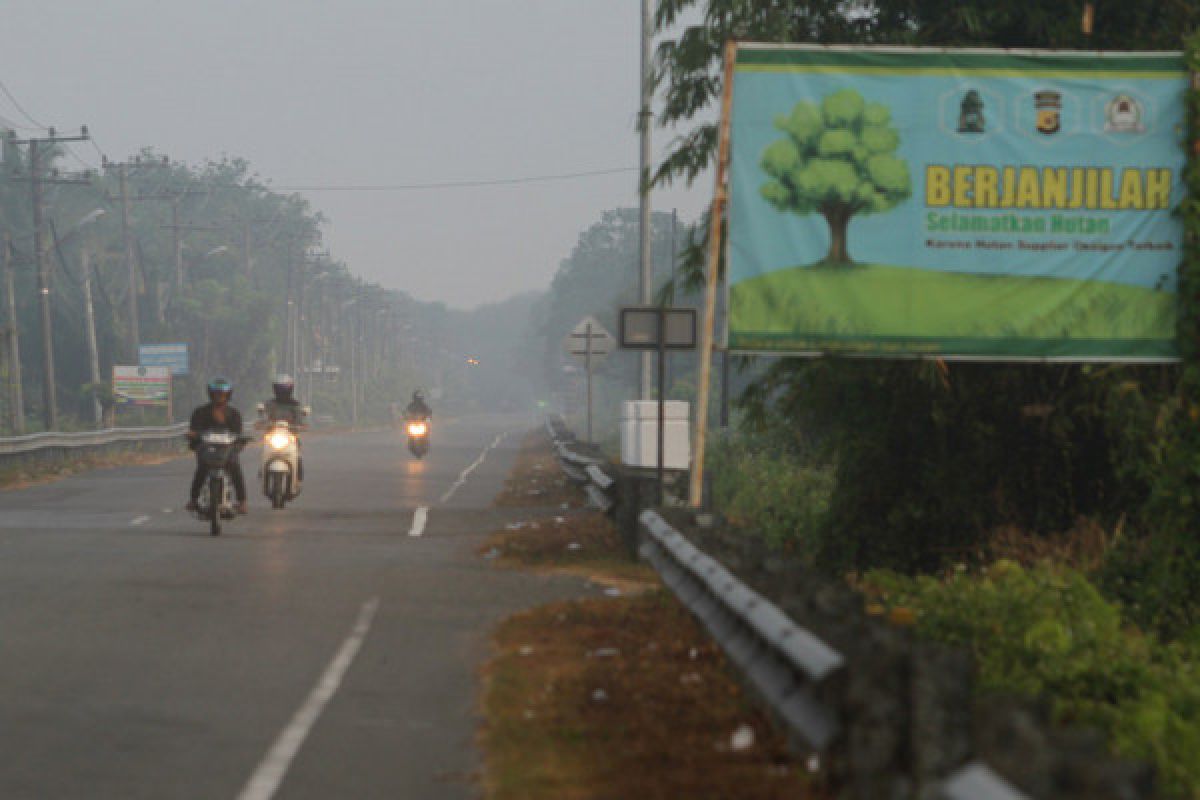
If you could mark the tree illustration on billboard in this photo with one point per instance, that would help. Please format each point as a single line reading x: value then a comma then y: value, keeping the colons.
x: 837, y: 160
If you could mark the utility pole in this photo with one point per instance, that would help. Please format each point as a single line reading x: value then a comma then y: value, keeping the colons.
x: 177, y: 228
x: 85, y: 266
x: 122, y: 170
x: 646, y: 282
x: 17, y: 398
x: 37, y: 181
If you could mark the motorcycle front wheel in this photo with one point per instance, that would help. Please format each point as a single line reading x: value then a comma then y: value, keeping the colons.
x: 276, y: 491
x: 215, y: 493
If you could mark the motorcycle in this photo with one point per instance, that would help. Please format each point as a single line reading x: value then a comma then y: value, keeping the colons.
x: 418, y: 436
x: 216, y: 502
x: 280, y: 470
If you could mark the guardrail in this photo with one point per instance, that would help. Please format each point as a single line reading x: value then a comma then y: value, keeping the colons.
x: 784, y: 663
x: 32, y: 442
x: 884, y: 714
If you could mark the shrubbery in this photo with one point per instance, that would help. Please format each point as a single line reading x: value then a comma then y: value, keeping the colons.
x: 760, y: 487
x: 1048, y: 631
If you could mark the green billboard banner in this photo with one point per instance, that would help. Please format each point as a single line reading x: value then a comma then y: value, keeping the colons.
x: 973, y: 204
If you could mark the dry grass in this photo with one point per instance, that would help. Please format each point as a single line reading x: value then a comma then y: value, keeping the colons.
x: 21, y: 478
x: 536, y: 478
x: 586, y: 545
x: 617, y: 697
x: 1083, y: 547
x: 623, y: 698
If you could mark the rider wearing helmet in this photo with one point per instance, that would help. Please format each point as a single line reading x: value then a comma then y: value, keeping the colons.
x: 283, y: 405
x: 417, y: 408
x: 216, y: 415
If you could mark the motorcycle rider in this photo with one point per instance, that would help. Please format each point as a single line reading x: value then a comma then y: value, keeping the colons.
x: 417, y: 409
x: 284, y: 406
x: 216, y: 415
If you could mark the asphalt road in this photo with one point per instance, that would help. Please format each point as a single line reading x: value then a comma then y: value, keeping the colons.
x: 322, y: 651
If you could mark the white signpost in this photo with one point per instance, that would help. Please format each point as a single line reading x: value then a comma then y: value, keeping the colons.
x: 590, y: 343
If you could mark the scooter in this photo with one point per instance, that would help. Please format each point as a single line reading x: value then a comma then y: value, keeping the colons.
x: 280, y: 471
x: 215, y: 503
x: 418, y: 436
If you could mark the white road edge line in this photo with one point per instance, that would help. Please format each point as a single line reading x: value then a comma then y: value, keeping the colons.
x: 142, y: 520
x: 419, y: 518
x: 267, y: 779
x: 467, y: 472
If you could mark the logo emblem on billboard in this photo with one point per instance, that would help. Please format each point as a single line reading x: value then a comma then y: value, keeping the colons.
x: 1123, y: 114
x: 970, y: 115
x: 1049, y: 111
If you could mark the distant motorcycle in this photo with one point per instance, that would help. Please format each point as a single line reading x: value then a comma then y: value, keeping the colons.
x: 280, y: 471
x: 418, y: 436
x: 216, y: 502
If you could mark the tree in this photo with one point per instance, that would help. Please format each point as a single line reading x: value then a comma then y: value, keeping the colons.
x: 927, y: 453
x: 837, y: 160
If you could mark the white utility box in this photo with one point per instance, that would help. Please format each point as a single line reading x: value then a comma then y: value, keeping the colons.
x: 639, y: 434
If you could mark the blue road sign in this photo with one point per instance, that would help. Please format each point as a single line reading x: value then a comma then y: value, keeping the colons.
x: 172, y: 356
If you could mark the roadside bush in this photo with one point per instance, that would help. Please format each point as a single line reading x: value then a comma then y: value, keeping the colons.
x: 1047, y: 631
x: 770, y: 492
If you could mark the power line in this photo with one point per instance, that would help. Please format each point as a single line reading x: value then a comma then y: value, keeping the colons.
x: 20, y: 107
x: 464, y: 184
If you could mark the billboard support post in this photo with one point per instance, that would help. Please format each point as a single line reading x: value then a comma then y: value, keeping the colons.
x: 720, y: 194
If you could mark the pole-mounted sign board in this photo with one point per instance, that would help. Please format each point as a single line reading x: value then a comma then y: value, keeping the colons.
x: 141, y: 386
x: 639, y: 328
x: 589, y: 343
x: 588, y: 340
x: 172, y: 356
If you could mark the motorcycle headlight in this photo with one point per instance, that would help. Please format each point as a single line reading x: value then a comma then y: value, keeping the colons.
x: 417, y: 428
x: 279, y: 440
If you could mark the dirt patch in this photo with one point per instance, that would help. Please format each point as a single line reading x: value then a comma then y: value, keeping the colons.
x: 537, y: 479
x: 21, y: 478
x: 584, y: 544
x: 624, y: 696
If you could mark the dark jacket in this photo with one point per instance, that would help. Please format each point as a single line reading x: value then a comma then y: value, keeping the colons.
x: 290, y: 411
x: 417, y: 409
x: 202, y: 420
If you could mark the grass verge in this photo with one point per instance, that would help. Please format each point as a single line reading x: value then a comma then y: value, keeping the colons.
x: 24, y: 477
x: 620, y: 696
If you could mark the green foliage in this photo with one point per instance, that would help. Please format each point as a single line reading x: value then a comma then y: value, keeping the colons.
x: 1048, y: 631
x: 1158, y: 577
x: 929, y: 460
x: 770, y: 493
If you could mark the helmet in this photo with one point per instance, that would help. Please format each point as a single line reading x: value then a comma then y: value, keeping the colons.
x: 283, y: 386
x: 220, y: 386
x: 419, y: 396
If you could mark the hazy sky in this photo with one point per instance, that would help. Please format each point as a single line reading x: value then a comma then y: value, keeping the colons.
x: 314, y: 92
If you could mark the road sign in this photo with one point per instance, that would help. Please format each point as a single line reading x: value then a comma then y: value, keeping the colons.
x: 172, y: 356
x: 589, y: 341
x: 142, y: 386
x: 639, y: 328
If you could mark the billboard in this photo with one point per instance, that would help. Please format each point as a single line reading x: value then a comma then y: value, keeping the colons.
x: 142, y: 386
x: 972, y: 203
x: 172, y: 356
